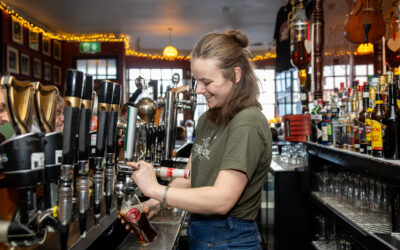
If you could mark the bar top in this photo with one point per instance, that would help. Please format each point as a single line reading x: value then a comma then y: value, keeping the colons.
x: 168, y: 223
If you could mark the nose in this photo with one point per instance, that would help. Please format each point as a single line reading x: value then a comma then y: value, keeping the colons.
x: 200, y: 88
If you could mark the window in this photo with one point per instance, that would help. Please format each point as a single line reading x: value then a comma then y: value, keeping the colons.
x: 266, y: 79
x: 98, y: 68
x: 287, y: 93
x: 335, y: 74
x: 163, y: 76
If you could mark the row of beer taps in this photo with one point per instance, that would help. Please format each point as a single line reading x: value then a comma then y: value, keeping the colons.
x: 69, y: 164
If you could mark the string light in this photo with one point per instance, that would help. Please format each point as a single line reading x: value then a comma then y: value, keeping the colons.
x: 99, y: 37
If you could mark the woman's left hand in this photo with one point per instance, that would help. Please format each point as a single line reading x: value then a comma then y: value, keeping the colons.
x: 144, y: 177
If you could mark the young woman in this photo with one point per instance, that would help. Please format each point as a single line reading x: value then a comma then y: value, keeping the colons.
x: 231, y: 152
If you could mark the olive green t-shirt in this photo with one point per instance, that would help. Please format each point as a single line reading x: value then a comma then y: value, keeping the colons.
x: 244, y: 145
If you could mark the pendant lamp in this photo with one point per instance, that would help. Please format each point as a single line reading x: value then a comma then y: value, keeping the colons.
x: 170, y: 52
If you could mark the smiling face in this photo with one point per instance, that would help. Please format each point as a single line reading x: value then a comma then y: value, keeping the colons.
x: 210, y: 82
x: 3, y: 107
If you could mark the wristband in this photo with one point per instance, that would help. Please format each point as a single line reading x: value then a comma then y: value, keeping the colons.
x: 164, y: 200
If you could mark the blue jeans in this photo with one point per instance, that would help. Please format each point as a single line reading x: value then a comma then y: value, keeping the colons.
x: 230, y: 233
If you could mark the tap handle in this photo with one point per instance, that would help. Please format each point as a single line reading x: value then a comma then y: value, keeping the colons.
x: 112, y: 129
x: 103, y: 110
x: 85, y: 117
x: 72, y: 102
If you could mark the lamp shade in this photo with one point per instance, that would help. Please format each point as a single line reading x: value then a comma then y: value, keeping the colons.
x: 170, y: 52
x: 365, y: 48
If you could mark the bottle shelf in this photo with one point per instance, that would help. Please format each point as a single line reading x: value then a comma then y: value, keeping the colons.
x: 365, y: 226
x: 387, y: 170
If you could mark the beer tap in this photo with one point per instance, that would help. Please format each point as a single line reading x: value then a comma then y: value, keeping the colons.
x: 22, y: 163
x: 72, y: 103
x: 129, y: 155
x: 81, y: 169
x: 103, y: 113
x: 111, y: 146
x: 45, y: 110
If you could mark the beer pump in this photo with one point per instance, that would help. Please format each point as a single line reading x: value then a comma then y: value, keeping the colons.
x: 82, y: 168
x: 72, y: 104
x: 111, y: 146
x: 22, y: 163
x: 45, y: 110
x: 103, y: 112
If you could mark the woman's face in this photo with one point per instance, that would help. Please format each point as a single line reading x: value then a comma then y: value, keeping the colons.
x: 210, y: 82
x: 3, y: 108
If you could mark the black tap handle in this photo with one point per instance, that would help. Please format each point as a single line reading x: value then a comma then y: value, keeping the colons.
x: 84, y: 118
x: 112, y: 129
x: 72, y: 102
x: 103, y: 110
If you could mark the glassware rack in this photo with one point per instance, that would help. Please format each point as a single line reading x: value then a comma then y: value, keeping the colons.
x: 358, y: 193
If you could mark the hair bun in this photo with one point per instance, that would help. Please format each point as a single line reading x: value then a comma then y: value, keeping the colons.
x: 238, y: 37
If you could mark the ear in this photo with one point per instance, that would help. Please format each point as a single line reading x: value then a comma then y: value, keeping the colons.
x: 238, y: 74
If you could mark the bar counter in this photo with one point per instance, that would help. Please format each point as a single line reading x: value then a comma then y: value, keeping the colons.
x: 168, y: 224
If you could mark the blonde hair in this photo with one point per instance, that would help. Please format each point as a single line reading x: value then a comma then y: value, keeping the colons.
x: 230, y: 51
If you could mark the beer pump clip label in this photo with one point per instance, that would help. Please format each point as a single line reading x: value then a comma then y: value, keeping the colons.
x: 37, y: 160
x: 58, y: 156
x: 133, y: 215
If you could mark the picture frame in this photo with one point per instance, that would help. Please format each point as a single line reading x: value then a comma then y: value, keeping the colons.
x: 57, y: 75
x: 57, y: 50
x: 46, y: 46
x: 25, y: 64
x: 12, y: 60
x: 17, y: 31
x: 47, y: 71
x: 37, y: 68
x: 34, y: 40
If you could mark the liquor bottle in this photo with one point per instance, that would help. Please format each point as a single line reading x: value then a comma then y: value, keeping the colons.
x: 338, y: 122
x: 316, y: 119
x: 368, y: 116
x: 132, y: 212
x: 324, y: 127
x: 356, y: 134
x: 362, y: 119
x: 391, y: 122
x: 383, y: 89
x: 303, y: 92
x: 349, y: 122
x: 376, y: 127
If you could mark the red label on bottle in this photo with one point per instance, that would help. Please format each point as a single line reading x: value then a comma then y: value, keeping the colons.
x: 133, y: 215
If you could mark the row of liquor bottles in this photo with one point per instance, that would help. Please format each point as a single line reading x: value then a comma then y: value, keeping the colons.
x: 364, y: 118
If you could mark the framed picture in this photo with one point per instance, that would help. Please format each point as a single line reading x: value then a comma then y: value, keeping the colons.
x: 17, y: 31
x: 25, y: 64
x: 12, y: 60
x: 37, y: 68
x: 56, y: 75
x: 47, y: 71
x: 34, y: 40
x: 57, y: 50
x: 46, y: 46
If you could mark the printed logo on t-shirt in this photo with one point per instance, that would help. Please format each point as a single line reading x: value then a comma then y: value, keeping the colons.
x: 284, y: 32
x: 201, y: 151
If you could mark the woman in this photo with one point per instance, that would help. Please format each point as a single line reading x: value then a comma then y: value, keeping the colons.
x: 231, y: 152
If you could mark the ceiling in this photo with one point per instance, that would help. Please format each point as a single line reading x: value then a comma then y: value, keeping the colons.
x: 147, y: 21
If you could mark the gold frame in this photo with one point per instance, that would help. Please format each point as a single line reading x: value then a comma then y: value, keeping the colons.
x: 37, y: 73
x: 33, y: 40
x: 46, y: 46
x: 12, y: 60
x: 25, y: 69
x: 17, y: 31
x: 47, y: 71
x: 57, y: 75
x: 57, y: 50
